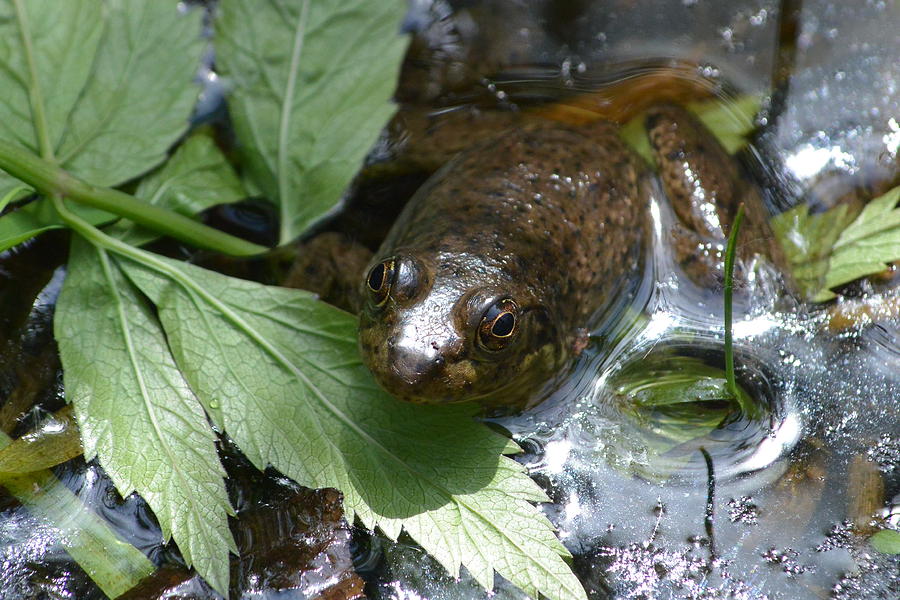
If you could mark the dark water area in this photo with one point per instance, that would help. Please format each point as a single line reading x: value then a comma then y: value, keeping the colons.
x: 779, y: 505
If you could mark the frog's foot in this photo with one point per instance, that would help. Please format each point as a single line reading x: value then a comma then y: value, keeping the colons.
x: 582, y: 340
x: 704, y: 185
x: 331, y: 265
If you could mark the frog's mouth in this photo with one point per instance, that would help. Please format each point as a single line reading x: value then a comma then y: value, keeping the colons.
x: 459, y: 383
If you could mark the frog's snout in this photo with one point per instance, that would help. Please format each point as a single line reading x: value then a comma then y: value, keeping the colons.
x: 413, y: 366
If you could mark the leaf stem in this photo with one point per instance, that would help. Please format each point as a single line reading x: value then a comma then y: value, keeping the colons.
x: 34, y: 88
x: 52, y: 181
x: 729, y: 289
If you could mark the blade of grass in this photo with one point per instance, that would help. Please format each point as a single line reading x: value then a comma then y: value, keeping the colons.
x: 112, y: 563
x: 729, y: 290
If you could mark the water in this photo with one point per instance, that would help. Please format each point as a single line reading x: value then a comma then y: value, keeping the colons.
x: 779, y: 506
x: 785, y: 504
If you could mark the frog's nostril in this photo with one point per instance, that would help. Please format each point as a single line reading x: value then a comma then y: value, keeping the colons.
x: 412, y: 368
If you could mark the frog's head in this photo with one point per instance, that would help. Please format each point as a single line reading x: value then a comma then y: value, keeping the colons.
x: 450, y: 328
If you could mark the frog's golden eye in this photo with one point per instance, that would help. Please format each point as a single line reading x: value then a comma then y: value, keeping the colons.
x: 498, y: 325
x: 378, y: 282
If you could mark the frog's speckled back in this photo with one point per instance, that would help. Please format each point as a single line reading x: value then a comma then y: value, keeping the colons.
x: 480, y: 288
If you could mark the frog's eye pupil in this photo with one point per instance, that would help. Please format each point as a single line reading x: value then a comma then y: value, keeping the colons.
x: 503, y: 325
x: 498, y: 325
x: 380, y: 280
x: 376, y: 277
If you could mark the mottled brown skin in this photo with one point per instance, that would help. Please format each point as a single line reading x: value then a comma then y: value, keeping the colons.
x: 556, y: 220
x: 552, y: 218
x: 705, y: 187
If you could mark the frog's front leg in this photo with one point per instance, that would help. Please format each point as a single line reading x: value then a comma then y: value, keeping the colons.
x: 705, y: 187
x: 330, y: 265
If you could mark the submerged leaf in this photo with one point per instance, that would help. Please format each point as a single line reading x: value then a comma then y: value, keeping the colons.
x: 137, y: 413
x: 53, y: 442
x: 807, y: 240
x: 105, y: 86
x: 869, y: 242
x: 886, y: 541
x: 113, y: 564
x: 832, y: 248
x: 281, y: 373
x: 312, y: 89
x: 678, y: 399
x: 730, y: 122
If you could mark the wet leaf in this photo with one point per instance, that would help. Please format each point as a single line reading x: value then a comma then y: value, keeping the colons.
x: 312, y: 88
x: 678, y: 399
x: 53, y: 442
x: 886, y: 541
x: 113, y: 564
x: 194, y: 179
x: 807, y: 240
x: 39, y: 216
x: 831, y: 249
x: 868, y: 243
x: 280, y: 372
x: 137, y: 413
x: 730, y: 122
x: 106, y: 87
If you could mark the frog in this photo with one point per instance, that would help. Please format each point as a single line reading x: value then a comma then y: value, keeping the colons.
x: 487, y: 284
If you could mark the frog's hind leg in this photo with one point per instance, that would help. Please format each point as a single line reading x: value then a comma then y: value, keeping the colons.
x: 705, y: 187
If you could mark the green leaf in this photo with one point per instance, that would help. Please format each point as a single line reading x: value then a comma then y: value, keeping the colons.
x: 280, y: 373
x: 114, y: 565
x: 137, y: 413
x: 832, y: 248
x: 105, y: 87
x: 730, y: 122
x: 194, y: 179
x: 312, y: 88
x: 39, y: 216
x: 674, y: 403
x: 869, y: 242
x: 53, y: 442
x: 17, y: 193
x: 47, y: 49
x: 807, y: 241
x: 886, y: 541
